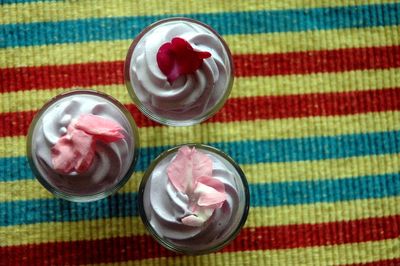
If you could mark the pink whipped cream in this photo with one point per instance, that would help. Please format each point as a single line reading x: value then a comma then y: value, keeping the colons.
x: 82, y: 144
x: 196, y: 212
x: 189, y: 96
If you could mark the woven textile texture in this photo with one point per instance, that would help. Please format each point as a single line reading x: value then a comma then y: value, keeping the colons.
x: 313, y: 119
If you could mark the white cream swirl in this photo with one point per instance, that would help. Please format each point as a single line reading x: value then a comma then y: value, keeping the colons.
x: 111, y: 160
x: 165, y: 206
x: 190, y: 95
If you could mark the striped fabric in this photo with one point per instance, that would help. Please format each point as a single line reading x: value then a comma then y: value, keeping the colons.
x: 313, y: 119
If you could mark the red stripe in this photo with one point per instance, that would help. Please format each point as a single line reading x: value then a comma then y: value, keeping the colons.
x: 262, y: 107
x: 261, y: 238
x: 105, y: 73
x: 391, y: 262
x: 318, y: 61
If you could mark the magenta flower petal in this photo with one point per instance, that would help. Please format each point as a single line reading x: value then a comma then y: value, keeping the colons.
x: 166, y: 61
x: 178, y: 58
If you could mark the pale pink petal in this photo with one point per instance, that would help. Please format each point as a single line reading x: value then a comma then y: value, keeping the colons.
x: 73, y: 152
x: 212, y: 182
x: 208, y: 196
x: 202, y: 165
x: 180, y: 170
x: 193, y: 220
x: 101, y: 128
x: 199, y: 218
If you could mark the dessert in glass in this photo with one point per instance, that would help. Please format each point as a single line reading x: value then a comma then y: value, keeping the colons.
x: 179, y: 71
x: 194, y: 199
x: 82, y: 145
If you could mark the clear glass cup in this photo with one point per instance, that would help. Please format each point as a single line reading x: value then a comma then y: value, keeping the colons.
x: 190, y: 99
x: 113, y: 163
x: 159, y: 210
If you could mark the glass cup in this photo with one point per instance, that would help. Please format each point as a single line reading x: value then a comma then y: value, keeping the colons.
x: 161, y: 207
x: 190, y: 99
x: 113, y: 163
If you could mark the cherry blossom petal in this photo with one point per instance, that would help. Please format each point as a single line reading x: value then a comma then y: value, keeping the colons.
x: 207, y: 195
x: 202, y: 165
x: 199, y: 218
x: 180, y: 170
x: 191, y: 173
x: 192, y: 220
x: 100, y: 128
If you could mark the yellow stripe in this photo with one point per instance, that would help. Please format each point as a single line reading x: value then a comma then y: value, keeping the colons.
x: 313, y: 40
x: 243, y: 87
x: 323, y: 169
x: 50, y: 11
x: 316, y: 256
x: 322, y: 212
x: 316, y: 83
x: 239, y: 44
x: 71, y: 231
x: 30, y: 189
x: 258, y: 217
x: 243, y: 130
x: 255, y: 173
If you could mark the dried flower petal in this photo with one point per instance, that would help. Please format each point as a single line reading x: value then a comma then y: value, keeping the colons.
x: 100, y: 128
x: 76, y: 149
x: 73, y: 152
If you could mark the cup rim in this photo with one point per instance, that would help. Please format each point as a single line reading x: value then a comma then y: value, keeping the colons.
x: 89, y: 197
x: 170, y: 245
x: 166, y: 121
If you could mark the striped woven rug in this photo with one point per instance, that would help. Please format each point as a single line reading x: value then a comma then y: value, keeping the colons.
x: 313, y: 119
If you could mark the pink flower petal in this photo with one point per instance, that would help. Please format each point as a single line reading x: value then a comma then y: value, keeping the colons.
x: 199, y: 218
x: 193, y: 220
x: 180, y: 170
x: 202, y: 165
x: 212, y: 182
x: 73, y: 152
x: 101, y: 128
x: 208, y: 196
x: 191, y: 173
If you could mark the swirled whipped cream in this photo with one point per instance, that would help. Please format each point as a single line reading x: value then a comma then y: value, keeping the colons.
x: 192, y: 95
x: 166, y: 207
x: 111, y: 161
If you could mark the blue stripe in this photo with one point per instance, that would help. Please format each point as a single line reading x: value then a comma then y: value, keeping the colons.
x: 264, y: 151
x: 3, y: 2
x: 268, y: 195
x: 254, y: 22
